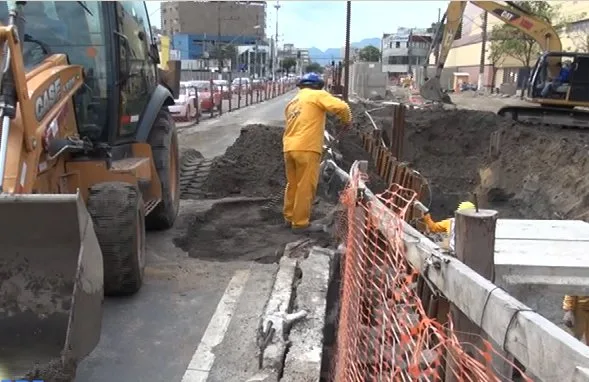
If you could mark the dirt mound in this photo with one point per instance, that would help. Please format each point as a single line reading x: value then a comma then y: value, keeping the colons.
x: 252, y: 166
x: 449, y: 147
x: 539, y: 174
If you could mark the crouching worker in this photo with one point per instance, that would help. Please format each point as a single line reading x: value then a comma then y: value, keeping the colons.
x: 576, y: 315
x: 303, y: 145
x: 444, y: 226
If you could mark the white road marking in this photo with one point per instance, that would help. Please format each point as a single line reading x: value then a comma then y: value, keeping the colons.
x: 202, y: 361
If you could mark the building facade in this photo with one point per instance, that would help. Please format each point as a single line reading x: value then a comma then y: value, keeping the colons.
x: 465, y: 55
x: 300, y: 55
x: 196, y: 28
x: 228, y: 18
x: 404, y: 50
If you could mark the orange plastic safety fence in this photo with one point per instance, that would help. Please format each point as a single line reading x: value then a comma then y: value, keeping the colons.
x: 384, y: 333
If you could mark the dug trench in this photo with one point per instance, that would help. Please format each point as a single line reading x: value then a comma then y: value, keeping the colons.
x: 522, y: 171
x: 533, y: 173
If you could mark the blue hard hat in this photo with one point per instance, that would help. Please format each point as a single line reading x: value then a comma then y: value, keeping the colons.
x: 311, y: 79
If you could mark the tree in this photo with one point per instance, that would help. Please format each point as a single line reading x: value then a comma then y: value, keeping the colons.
x: 369, y: 53
x: 578, y: 32
x: 288, y: 63
x: 513, y: 42
x: 496, y: 56
x: 510, y: 41
x: 314, y: 67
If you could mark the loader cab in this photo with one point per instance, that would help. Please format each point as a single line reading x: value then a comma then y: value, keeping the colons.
x: 570, y: 93
x: 112, y: 41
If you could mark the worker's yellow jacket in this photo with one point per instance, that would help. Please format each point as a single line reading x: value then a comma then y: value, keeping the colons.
x: 305, y: 119
x: 442, y: 226
x: 575, y: 303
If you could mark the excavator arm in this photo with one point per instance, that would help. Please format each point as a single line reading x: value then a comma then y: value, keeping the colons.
x: 540, y: 30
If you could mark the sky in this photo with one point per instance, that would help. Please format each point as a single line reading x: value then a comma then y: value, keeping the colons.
x: 322, y: 24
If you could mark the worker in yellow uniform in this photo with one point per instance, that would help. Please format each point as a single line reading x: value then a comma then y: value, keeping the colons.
x: 303, y: 145
x: 576, y: 315
x: 443, y: 226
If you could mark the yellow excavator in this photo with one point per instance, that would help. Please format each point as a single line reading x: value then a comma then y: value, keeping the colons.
x: 88, y: 161
x: 558, y: 106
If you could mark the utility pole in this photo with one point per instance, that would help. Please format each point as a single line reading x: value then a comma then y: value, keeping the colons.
x: 346, y: 91
x: 409, y: 52
x: 275, y: 65
x: 219, y: 53
x: 483, y: 52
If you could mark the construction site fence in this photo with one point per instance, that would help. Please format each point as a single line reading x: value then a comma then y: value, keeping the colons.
x: 232, y: 96
x: 388, y: 331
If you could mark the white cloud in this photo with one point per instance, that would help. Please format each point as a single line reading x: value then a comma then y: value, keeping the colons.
x: 322, y: 23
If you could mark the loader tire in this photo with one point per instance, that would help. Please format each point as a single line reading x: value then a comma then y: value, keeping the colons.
x: 118, y: 214
x: 164, y: 146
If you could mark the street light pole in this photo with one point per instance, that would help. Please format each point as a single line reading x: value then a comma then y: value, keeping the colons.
x: 275, y: 65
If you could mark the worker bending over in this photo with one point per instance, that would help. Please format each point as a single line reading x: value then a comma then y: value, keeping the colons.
x: 303, y: 145
x: 576, y: 315
x: 444, y: 226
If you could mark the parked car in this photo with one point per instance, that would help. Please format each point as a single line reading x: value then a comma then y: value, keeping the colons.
x: 186, y: 106
x: 207, y: 103
x: 235, y: 84
x: 257, y: 85
x: 223, y: 87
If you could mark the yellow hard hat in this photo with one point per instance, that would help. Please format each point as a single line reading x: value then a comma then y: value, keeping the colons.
x: 465, y: 206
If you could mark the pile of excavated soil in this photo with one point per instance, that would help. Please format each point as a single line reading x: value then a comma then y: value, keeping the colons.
x: 252, y: 166
x: 540, y: 172
x: 449, y: 147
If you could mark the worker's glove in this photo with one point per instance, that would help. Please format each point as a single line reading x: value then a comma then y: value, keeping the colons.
x: 568, y: 319
x: 421, y: 207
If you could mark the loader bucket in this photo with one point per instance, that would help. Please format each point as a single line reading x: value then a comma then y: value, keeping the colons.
x: 432, y: 90
x: 51, y: 282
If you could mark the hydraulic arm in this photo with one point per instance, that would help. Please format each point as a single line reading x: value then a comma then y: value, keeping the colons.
x: 540, y: 30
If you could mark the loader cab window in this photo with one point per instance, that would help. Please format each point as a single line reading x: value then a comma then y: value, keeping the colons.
x: 67, y: 27
x: 135, y: 91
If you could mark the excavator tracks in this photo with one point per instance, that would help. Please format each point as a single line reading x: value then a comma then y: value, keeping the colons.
x: 550, y: 116
x: 194, y: 171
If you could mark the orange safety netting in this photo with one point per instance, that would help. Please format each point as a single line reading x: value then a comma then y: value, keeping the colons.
x: 384, y: 333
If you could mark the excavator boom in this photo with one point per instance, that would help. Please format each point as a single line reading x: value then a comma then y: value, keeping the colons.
x: 540, y: 30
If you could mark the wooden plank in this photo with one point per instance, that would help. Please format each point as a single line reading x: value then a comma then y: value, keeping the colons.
x: 548, y: 352
x: 475, y: 247
x: 542, y: 229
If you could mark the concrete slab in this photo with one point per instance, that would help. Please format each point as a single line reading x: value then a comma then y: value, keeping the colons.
x: 303, y: 360
x: 552, y: 254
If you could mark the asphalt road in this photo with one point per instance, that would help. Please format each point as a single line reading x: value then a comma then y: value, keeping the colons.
x: 155, y: 335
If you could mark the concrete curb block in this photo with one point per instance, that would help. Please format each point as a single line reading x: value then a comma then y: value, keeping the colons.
x: 303, y: 360
x: 276, y: 312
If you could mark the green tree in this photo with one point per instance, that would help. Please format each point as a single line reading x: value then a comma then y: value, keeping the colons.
x: 314, y: 67
x: 510, y: 41
x: 369, y: 53
x: 496, y: 55
x: 288, y: 63
x: 513, y: 42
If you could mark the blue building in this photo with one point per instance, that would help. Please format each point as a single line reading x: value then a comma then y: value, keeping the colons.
x: 192, y: 46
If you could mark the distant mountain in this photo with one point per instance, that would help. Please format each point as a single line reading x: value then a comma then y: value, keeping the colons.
x: 336, y: 54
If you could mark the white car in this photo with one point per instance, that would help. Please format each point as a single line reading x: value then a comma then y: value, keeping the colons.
x: 235, y: 84
x: 186, y: 108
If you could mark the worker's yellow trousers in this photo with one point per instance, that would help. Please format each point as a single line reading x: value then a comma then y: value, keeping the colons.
x: 302, y: 176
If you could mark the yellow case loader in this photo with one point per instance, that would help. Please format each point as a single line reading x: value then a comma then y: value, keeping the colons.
x: 88, y: 161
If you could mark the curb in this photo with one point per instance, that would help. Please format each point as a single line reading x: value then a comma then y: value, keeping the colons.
x: 294, y: 318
